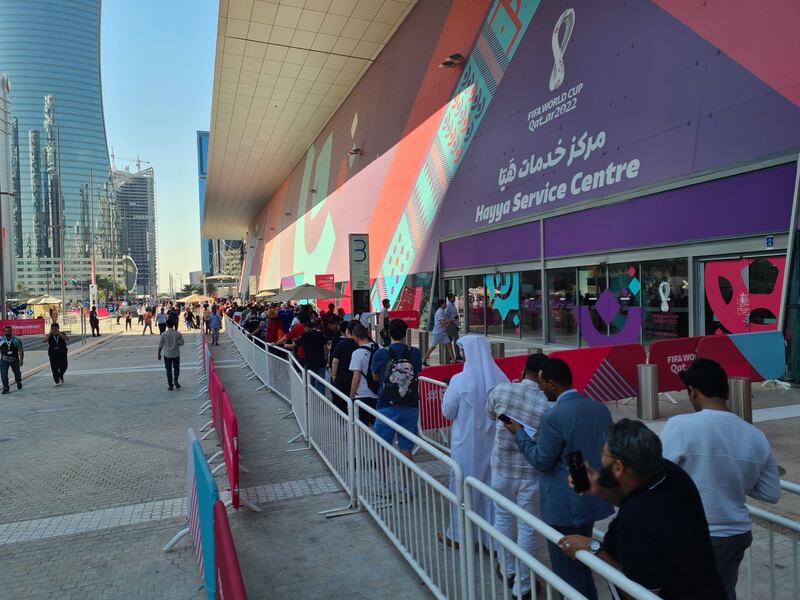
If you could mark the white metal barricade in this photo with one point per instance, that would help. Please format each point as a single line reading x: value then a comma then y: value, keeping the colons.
x: 483, y: 583
x: 411, y: 506
x: 781, y: 538
x: 260, y: 365
x: 330, y: 433
x: 433, y: 426
x: 297, y: 395
x: 278, y: 367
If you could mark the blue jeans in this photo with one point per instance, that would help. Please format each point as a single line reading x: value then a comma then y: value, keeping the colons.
x: 405, y: 416
x: 173, y: 365
x: 14, y: 366
x: 574, y: 572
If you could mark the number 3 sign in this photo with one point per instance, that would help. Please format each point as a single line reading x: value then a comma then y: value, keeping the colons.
x: 359, y: 261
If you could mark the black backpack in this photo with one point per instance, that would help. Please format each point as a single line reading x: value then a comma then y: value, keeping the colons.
x: 373, y: 385
x: 400, y: 380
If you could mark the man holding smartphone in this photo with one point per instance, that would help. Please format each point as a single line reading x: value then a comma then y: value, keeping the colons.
x: 512, y: 475
x: 574, y: 422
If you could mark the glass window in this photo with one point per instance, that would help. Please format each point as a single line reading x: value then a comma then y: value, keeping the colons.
x: 562, y: 303
x: 742, y: 295
x: 476, y: 297
x: 502, y: 309
x: 592, y: 283
x: 624, y: 281
x: 531, y: 304
x: 455, y: 286
x: 665, y: 290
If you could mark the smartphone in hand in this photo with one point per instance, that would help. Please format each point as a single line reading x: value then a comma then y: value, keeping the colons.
x: 504, y: 418
x: 577, y: 470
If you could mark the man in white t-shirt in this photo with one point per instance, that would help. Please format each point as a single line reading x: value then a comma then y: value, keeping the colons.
x: 360, y: 366
x: 161, y: 320
x: 439, y: 332
x: 727, y: 458
x: 383, y: 323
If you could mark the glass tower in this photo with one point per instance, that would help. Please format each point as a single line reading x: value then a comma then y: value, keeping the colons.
x: 50, y: 50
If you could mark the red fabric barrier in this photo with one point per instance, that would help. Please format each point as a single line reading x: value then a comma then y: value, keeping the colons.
x: 604, y: 373
x: 230, y: 585
x: 20, y: 327
x: 411, y: 317
x: 672, y: 357
x: 430, y: 406
x: 230, y: 445
x: 722, y: 349
x: 214, y: 392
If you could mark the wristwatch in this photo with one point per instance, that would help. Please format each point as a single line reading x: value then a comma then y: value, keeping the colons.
x: 594, y: 546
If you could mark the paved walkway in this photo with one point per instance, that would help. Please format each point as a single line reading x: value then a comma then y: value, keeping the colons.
x: 94, y: 483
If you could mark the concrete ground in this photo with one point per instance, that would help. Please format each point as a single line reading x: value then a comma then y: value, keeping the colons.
x: 94, y: 485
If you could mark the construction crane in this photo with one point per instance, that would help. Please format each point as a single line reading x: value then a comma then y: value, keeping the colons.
x: 136, y: 160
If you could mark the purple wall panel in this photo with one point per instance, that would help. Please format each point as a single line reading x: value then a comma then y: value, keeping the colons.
x: 513, y: 244
x: 753, y: 203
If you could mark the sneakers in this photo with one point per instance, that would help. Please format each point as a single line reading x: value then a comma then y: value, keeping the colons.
x: 19, y: 385
x: 170, y: 388
x: 5, y: 391
x: 177, y: 385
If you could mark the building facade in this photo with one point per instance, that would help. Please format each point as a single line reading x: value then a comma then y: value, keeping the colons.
x: 7, y: 196
x: 51, y: 52
x: 591, y: 174
x: 218, y: 257
x: 136, y: 202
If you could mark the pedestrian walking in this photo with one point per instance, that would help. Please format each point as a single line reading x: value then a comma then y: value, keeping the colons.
x: 12, y: 356
x: 161, y: 320
x: 512, y: 475
x: 452, y: 316
x: 464, y: 403
x: 439, y: 332
x: 56, y: 342
x: 383, y: 323
x: 727, y: 458
x: 573, y: 422
x: 169, y: 344
x: 188, y: 318
x: 128, y: 320
x: 140, y: 314
x: 94, y: 322
x: 148, y: 321
x: 215, y: 321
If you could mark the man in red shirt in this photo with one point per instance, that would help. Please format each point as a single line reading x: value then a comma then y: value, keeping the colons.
x: 294, y: 333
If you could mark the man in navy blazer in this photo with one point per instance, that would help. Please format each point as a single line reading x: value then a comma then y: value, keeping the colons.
x: 574, y: 423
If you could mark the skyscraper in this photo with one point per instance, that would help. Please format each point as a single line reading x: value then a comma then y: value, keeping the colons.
x: 136, y: 200
x: 218, y: 257
x: 50, y: 49
x: 7, y: 133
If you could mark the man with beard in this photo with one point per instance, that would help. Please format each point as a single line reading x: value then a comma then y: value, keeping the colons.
x: 659, y: 537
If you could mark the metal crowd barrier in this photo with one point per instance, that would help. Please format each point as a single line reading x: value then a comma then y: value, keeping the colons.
x: 406, y: 499
x: 482, y: 567
x: 411, y: 506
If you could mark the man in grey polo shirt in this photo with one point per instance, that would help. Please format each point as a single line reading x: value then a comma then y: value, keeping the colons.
x: 727, y: 458
x: 170, y: 344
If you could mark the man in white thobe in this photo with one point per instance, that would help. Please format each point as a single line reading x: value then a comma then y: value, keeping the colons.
x: 473, y: 431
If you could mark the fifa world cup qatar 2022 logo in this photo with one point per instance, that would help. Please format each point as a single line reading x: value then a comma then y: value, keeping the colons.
x: 559, y: 44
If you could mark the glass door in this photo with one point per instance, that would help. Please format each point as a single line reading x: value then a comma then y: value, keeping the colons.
x: 593, y: 316
x: 475, y: 304
x: 741, y: 295
x: 455, y: 286
x: 562, y: 304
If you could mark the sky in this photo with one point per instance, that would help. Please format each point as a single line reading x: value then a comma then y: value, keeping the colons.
x: 157, y: 64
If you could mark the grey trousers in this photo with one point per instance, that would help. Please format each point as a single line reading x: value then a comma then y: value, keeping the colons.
x: 729, y: 552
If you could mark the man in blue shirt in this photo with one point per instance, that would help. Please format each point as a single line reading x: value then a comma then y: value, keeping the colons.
x: 400, y: 402
x: 215, y: 321
x: 574, y: 422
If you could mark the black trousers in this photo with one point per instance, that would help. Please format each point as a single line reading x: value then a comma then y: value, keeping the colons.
x: 162, y: 327
x: 95, y: 325
x: 173, y: 366
x: 58, y: 364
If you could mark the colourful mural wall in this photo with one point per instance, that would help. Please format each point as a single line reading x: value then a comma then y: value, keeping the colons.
x: 557, y: 104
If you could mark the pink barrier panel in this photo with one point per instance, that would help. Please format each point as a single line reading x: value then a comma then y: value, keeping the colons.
x: 230, y: 445
x: 22, y: 327
x: 673, y: 357
x: 604, y: 373
x: 230, y: 585
x: 214, y: 392
x: 430, y: 406
x: 759, y: 356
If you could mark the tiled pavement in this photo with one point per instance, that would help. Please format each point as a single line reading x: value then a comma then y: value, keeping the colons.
x: 94, y: 478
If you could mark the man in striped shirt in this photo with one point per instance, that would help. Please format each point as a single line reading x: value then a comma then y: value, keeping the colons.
x: 170, y: 344
x: 512, y: 475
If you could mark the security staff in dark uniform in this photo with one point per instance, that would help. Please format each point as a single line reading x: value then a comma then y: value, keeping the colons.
x: 57, y: 352
x: 94, y: 322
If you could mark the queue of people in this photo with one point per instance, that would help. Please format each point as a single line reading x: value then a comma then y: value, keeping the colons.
x: 681, y: 526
